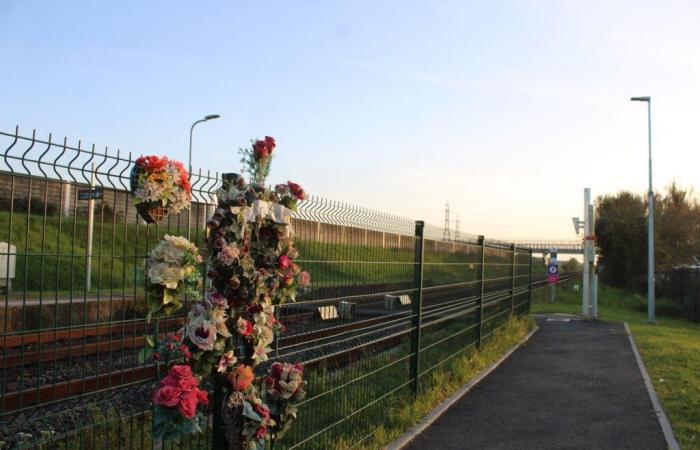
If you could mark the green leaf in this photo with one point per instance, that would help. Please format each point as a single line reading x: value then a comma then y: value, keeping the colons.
x: 149, y: 341
x: 144, y: 354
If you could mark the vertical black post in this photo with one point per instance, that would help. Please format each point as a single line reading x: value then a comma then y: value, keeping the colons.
x: 218, y: 441
x: 529, y: 282
x: 417, y: 306
x: 512, y: 281
x: 482, y: 271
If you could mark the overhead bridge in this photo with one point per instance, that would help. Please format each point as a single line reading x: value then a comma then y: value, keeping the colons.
x: 567, y: 247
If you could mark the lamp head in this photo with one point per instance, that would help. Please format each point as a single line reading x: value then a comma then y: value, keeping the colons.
x: 641, y: 99
x: 211, y: 116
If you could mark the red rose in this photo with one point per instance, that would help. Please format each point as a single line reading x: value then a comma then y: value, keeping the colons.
x: 263, y: 411
x: 170, y: 380
x: 188, y: 384
x: 185, y: 352
x: 246, y: 329
x: 188, y: 404
x: 181, y: 371
x: 202, y: 397
x: 260, y: 433
x: 167, y: 396
x: 284, y: 261
x: 276, y: 370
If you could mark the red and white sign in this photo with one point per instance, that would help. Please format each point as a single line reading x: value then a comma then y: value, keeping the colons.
x: 553, y: 273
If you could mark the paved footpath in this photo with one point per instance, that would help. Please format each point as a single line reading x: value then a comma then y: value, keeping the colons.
x: 574, y: 385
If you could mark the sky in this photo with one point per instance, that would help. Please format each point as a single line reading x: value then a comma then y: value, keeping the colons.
x: 506, y: 109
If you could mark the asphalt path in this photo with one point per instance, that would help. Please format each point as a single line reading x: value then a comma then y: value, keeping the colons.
x: 574, y: 385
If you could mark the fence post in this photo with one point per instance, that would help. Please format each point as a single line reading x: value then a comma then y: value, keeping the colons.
x: 529, y: 283
x: 417, y: 306
x: 512, y: 282
x: 482, y: 271
x: 218, y: 439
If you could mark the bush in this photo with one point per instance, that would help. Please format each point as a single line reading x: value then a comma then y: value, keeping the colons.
x: 35, y: 205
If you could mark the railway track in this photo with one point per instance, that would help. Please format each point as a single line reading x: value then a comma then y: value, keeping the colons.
x: 308, y: 339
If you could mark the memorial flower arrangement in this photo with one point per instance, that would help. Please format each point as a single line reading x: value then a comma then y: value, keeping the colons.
x: 160, y: 186
x: 250, y: 256
x: 172, y: 273
x: 176, y: 402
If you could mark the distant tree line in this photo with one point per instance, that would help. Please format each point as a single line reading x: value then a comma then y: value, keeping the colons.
x: 621, y: 234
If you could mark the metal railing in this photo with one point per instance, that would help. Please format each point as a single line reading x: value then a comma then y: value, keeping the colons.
x: 390, y: 304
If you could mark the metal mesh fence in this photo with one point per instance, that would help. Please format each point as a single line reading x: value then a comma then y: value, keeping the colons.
x: 389, y: 304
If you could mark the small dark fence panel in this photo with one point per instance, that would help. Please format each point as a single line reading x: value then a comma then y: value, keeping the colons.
x: 390, y: 303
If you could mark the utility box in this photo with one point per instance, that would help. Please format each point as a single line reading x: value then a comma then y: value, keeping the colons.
x: 346, y: 310
x: 395, y: 302
x: 8, y: 261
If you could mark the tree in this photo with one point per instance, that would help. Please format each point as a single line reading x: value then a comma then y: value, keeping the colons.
x: 572, y: 265
x: 621, y: 233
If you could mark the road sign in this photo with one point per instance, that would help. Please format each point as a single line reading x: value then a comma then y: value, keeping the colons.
x: 553, y: 273
x: 87, y: 194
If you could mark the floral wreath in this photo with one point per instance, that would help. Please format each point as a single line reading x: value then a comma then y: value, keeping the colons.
x: 160, y: 186
x: 250, y: 254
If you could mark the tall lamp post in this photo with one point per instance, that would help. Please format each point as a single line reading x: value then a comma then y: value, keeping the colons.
x: 651, y: 313
x: 189, y: 165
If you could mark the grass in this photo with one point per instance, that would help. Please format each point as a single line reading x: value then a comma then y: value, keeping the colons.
x: 670, y: 350
x: 51, y: 258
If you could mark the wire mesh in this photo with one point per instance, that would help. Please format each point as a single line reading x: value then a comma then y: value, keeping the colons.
x: 377, y: 320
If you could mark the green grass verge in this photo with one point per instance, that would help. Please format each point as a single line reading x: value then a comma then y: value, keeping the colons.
x: 670, y: 350
x: 51, y: 258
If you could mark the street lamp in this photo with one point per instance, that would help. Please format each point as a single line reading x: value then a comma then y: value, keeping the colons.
x: 651, y: 313
x: 189, y: 165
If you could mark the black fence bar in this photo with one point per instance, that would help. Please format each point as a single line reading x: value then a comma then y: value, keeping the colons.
x: 390, y: 302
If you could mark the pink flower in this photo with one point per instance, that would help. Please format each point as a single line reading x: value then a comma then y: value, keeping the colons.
x: 229, y: 254
x: 167, y: 396
x: 304, y: 278
x: 182, y: 371
x: 284, y: 261
x: 226, y: 361
x: 188, y: 404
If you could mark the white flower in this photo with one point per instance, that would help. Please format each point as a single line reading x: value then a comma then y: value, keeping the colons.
x: 218, y: 319
x: 165, y: 274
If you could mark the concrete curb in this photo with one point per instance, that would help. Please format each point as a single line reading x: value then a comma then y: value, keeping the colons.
x: 440, y: 409
x: 660, y: 414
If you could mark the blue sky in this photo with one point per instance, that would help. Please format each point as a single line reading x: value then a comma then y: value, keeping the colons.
x: 507, y: 109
